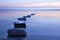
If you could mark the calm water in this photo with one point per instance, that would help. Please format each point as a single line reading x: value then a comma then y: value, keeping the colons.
x: 44, y: 25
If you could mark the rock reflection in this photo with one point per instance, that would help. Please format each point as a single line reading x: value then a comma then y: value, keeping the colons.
x: 17, y: 38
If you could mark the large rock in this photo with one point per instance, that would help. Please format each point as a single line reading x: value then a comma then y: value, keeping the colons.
x: 17, y: 32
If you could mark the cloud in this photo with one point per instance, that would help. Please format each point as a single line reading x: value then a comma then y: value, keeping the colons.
x: 40, y: 4
x: 30, y: 3
x: 25, y: 1
x: 50, y: 4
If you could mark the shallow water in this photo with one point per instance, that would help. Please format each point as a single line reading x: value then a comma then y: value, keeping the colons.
x: 43, y: 25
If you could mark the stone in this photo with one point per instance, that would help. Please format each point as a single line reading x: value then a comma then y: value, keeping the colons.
x: 19, y: 25
x: 16, y: 32
x: 22, y: 18
x: 32, y: 14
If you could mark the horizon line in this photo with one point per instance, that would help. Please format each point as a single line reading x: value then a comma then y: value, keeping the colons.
x: 31, y: 7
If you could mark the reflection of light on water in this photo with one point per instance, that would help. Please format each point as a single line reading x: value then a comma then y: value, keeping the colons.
x: 51, y: 14
x: 17, y: 14
x: 12, y: 15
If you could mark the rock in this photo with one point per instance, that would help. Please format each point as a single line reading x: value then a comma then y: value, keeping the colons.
x: 25, y: 16
x: 22, y: 18
x: 28, y: 15
x: 19, y: 25
x: 16, y: 32
x: 32, y: 14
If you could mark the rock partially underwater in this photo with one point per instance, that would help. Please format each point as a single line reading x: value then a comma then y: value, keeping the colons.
x: 19, y: 25
x: 16, y: 32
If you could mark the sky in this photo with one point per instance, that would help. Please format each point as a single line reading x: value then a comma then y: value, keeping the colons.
x: 29, y: 3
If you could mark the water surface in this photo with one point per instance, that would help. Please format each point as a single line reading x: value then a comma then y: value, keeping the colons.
x: 44, y: 25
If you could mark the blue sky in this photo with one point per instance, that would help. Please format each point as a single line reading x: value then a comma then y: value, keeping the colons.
x: 27, y: 3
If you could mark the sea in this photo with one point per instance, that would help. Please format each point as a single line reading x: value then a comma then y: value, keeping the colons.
x: 44, y: 25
